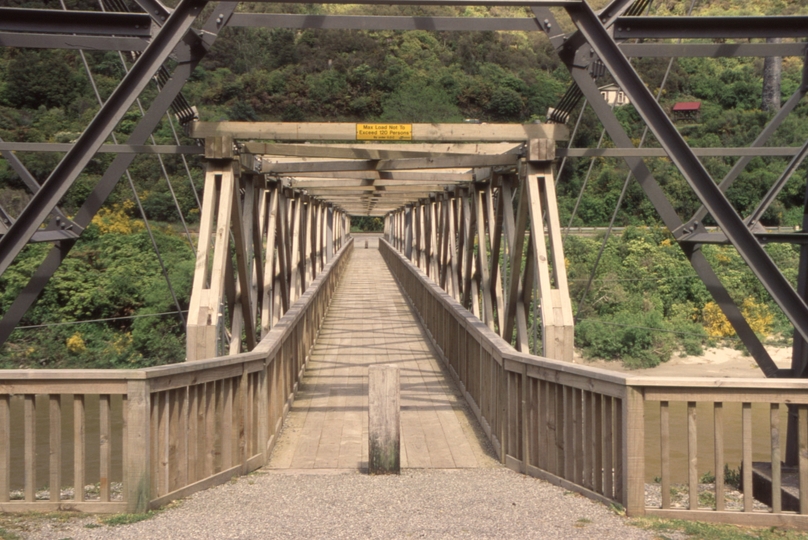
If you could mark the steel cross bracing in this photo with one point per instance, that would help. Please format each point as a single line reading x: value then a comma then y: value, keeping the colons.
x: 599, y: 38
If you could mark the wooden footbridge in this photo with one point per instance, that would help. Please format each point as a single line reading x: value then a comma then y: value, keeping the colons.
x: 466, y: 292
x: 288, y: 311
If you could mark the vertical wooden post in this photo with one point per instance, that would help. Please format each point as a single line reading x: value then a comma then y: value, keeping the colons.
x: 55, y: 446
x: 137, y: 481
x: 30, y: 447
x: 5, y: 447
x: 79, y: 446
x: 633, y: 452
x: 384, y: 431
x: 264, y: 427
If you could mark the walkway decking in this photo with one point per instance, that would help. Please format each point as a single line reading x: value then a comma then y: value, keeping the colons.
x: 370, y: 322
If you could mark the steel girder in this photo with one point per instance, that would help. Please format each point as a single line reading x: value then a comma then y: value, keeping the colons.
x: 577, y: 60
x: 63, y: 176
x: 692, y: 169
x: 710, y: 27
x: 75, y: 22
x: 116, y: 169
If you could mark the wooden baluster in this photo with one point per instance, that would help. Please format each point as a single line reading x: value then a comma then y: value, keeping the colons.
x: 569, y: 433
x: 578, y: 426
x: 227, y: 424
x: 55, y: 446
x: 194, y: 431
x: 718, y: 429
x: 79, y: 419
x: 774, y: 420
x: 209, y: 447
x: 173, y: 439
x: 619, y: 449
x: 588, y: 429
x: 597, y: 444
x: 5, y: 447
x: 608, y: 445
x: 665, y: 453
x: 692, y: 457
x: 802, y: 440
x: 105, y: 450
x: 163, y: 443
x: 124, y: 438
x: 182, y: 437
x: 30, y: 447
x: 746, y: 420
x: 560, y: 422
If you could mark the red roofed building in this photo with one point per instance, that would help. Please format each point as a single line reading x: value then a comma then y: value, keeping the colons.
x: 687, y: 110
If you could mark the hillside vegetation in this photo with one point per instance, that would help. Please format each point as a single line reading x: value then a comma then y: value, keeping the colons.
x: 646, y: 302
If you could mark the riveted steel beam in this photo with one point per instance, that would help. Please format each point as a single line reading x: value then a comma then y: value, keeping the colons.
x: 362, y: 22
x: 97, y: 131
x: 710, y: 27
x: 654, y: 192
x: 84, y: 216
x: 99, y: 23
x: 691, y: 168
x: 87, y: 43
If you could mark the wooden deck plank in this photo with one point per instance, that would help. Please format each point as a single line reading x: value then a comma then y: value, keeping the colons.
x: 370, y: 322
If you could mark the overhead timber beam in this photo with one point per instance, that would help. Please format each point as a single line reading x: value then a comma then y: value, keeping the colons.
x: 323, y: 131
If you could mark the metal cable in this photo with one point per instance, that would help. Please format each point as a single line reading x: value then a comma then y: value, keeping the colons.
x: 572, y: 138
x: 108, y: 319
x: 583, y: 187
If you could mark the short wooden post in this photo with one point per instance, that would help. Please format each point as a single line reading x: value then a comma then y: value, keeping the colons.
x: 137, y: 481
x: 384, y: 432
x: 633, y: 457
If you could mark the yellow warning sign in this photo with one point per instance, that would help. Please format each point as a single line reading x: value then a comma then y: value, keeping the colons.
x: 383, y: 132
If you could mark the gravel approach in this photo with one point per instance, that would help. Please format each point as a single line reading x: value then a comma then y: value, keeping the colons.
x: 420, y: 503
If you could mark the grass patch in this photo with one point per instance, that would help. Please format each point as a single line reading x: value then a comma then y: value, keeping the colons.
x: 14, y: 526
x: 712, y: 531
x: 5, y: 534
x: 126, y: 519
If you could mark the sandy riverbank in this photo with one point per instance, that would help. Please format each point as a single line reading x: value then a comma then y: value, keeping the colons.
x: 716, y: 362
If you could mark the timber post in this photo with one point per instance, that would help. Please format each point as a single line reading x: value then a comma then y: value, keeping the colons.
x: 384, y: 426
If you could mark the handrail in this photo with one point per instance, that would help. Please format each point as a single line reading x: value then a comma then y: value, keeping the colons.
x: 182, y: 427
x: 585, y: 428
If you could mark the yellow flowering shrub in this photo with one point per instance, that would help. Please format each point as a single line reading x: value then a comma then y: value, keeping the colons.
x: 117, y: 220
x: 758, y: 316
x: 75, y: 343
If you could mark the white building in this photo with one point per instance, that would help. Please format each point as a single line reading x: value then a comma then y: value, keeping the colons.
x: 614, y: 95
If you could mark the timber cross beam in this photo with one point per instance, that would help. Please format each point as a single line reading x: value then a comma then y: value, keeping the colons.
x: 448, y: 192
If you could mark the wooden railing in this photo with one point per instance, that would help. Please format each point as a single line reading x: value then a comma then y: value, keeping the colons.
x: 587, y: 430
x: 172, y: 430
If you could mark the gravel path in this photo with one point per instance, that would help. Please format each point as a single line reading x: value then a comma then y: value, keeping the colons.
x: 480, y: 503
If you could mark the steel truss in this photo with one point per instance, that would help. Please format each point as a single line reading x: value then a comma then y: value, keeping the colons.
x: 597, y: 40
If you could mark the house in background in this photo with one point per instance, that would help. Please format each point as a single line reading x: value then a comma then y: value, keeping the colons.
x: 687, y: 110
x: 614, y: 95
